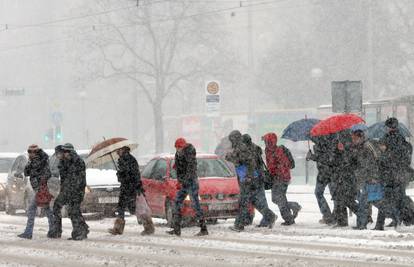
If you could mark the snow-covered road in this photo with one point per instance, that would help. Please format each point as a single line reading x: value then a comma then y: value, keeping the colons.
x: 305, y: 244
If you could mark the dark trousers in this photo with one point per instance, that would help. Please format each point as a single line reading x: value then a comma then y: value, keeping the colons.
x: 279, y: 190
x: 126, y: 202
x: 74, y: 212
x: 345, y: 201
x: 192, y: 191
x: 253, y: 193
x: 322, y: 203
x: 391, y: 205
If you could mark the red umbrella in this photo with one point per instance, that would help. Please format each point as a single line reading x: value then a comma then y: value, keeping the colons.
x: 105, y: 151
x: 335, y: 124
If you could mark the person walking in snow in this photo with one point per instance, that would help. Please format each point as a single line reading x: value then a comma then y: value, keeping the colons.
x: 279, y: 162
x: 256, y: 191
x: 38, y: 170
x: 72, y: 172
x: 130, y: 178
x: 186, y: 167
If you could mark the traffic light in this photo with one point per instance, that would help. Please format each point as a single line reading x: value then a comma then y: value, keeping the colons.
x: 48, y: 137
x: 58, y: 133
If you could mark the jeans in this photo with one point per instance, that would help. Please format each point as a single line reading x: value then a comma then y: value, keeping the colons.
x: 279, y: 190
x: 31, y: 214
x: 322, y: 203
x: 192, y: 191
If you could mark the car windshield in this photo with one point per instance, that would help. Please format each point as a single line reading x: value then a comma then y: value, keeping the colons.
x: 208, y: 168
x: 5, y: 164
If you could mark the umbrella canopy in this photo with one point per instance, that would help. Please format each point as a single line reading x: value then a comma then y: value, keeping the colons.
x: 378, y: 130
x: 299, y: 130
x: 336, y: 124
x: 104, y: 151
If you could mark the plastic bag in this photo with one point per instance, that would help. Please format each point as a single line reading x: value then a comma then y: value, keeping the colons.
x: 142, y: 208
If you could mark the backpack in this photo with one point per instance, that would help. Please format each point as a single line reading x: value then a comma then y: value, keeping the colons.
x: 289, y: 156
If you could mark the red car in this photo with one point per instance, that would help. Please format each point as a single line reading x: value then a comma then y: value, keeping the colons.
x: 219, y: 190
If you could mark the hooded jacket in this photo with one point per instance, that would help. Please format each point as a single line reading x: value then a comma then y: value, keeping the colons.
x: 241, y: 155
x: 277, y: 160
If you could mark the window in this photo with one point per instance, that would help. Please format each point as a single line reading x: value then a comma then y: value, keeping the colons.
x: 160, y: 170
x: 208, y: 168
x: 5, y: 164
x: 148, y: 169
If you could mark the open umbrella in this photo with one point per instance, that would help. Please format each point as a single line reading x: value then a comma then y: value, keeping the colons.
x: 378, y: 130
x: 104, y: 151
x: 335, y: 124
x: 299, y: 130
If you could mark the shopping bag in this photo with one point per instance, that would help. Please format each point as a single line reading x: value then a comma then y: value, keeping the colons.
x: 142, y: 208
x: 241, y: 171
x: 375, y: 192
x: 43, y: 196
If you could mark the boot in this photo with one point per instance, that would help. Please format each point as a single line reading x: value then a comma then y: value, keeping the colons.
x: 118, y: 227
x: 203, y: 228
x: 25, y: 236
x: 148, y: 226
x: 176, y: 225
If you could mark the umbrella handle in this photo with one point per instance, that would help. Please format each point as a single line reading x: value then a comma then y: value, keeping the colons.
x: 112, y: 157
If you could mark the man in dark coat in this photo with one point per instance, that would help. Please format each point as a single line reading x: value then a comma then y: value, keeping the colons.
x: 365, y: 156
x: 256, y: 191
x: 130, y: 178
x: 394, y: 166
x: 186, y: 167
x: 72, y: 172
x: 38, y: 170
x: 324, y: 178
x: 243, y: 159
x: 344, y: 179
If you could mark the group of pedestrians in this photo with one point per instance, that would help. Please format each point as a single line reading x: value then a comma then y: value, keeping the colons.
x: 361, y: 173
x: 72, y: 189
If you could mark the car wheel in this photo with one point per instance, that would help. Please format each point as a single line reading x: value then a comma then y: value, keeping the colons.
x: 9, y: 207
x: 168, y: 213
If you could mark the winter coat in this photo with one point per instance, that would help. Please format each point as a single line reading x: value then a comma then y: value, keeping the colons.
x: 129, y: 176
x: 278, y: 159
x: 396, y: 159
x: 321, y: 155
x: 344, y: 176
x: 366, y: 162
x: 241, y: 154
x: 38, y: 168
x: 186, y: 165
x: 73, y: 177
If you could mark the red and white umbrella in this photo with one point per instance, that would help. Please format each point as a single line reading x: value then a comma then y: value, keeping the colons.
x: 105, y: 151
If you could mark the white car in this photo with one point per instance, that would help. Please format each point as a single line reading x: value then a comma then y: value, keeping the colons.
x: 6, y: 162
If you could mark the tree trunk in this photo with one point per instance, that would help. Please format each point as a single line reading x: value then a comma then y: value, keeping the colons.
x: 158, y: 126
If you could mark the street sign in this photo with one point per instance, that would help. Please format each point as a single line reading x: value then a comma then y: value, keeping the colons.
x: 346, y: 96
x: 213, y: 98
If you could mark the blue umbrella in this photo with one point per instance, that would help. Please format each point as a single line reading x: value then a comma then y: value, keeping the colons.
x: 299, y: 130
x: 378, y: 130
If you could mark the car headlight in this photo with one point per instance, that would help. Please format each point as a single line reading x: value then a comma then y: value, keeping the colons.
x: 14, y: 187
x: 188, y: 198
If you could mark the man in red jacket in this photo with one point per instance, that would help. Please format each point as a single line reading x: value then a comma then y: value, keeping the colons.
x: 279, y: 161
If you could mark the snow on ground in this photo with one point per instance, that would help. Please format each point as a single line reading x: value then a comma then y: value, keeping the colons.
x: 307, y: 243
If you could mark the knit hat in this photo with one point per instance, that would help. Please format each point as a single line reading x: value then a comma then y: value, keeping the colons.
x: 180, y: 143
x: 33, y: 147
x: 392, y: 123
x: 68, y: 147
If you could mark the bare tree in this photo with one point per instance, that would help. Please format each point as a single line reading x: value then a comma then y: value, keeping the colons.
x: 157, y: 45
